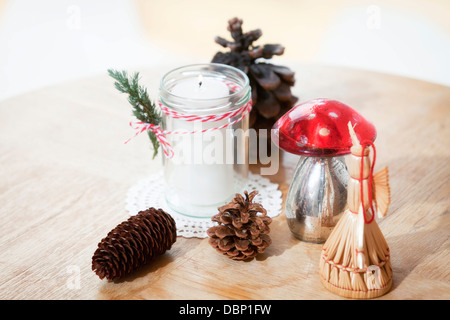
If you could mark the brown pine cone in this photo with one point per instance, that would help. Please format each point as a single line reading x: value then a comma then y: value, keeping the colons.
x: 243, y: 229
x: 134, y: 243
x: 271, y: 84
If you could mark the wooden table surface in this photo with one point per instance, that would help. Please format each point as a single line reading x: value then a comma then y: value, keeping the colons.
x: 65, y: 171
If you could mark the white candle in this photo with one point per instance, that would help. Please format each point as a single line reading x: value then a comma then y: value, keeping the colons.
x: 201, y: 88
x: 205, y: 183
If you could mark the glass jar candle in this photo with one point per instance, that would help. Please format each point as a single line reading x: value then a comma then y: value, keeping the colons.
x: 205, y: 119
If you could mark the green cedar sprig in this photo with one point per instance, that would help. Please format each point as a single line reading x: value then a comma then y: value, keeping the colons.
x: 143, y: 108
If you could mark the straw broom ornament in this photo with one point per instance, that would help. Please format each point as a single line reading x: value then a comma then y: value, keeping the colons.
x: 355, y: 260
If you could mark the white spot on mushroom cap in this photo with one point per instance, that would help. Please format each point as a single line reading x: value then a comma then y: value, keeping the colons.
x: 324, y: 132
x: 311, y: 116
x: 303, y: 141
x: 333, y: 114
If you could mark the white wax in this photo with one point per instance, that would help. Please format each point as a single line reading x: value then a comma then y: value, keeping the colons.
x: 201, y: 88
x: 203, y: 184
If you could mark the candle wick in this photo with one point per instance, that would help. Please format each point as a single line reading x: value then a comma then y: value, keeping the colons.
x: 200, y: 84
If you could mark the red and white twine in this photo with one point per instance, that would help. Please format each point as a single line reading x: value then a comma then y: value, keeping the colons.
x: 160, y: 134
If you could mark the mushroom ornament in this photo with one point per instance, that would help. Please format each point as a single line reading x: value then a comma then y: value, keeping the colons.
x: 317, y: 131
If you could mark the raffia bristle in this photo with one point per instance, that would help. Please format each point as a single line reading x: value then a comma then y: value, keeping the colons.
x: 382, y: 191
x: 337, y: 268
x: 344, y: 280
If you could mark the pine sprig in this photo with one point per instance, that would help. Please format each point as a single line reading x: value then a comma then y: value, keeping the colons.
x: 143, y: 108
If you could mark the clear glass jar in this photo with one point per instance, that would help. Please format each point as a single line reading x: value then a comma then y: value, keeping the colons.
x: 210, y: 161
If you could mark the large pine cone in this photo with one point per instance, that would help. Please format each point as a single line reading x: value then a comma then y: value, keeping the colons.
x: 271, y: 84
x: 243, y: 229
x: 134, y: 243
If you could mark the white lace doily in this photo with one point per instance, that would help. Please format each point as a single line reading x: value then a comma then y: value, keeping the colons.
x: 149, y: 193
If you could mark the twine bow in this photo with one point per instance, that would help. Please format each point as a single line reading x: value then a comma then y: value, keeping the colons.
x: 140, y: 127
x: 160, y: 134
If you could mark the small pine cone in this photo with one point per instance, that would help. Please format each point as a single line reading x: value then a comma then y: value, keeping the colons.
x: 243, y: 229
x: 133, y: 243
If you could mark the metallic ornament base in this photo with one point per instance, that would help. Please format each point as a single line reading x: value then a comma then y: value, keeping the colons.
x: 317, y: 197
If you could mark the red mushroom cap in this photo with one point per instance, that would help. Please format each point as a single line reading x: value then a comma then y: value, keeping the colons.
x: 320, y: 128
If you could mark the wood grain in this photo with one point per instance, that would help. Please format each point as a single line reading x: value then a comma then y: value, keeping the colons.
x: 65, y: 171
